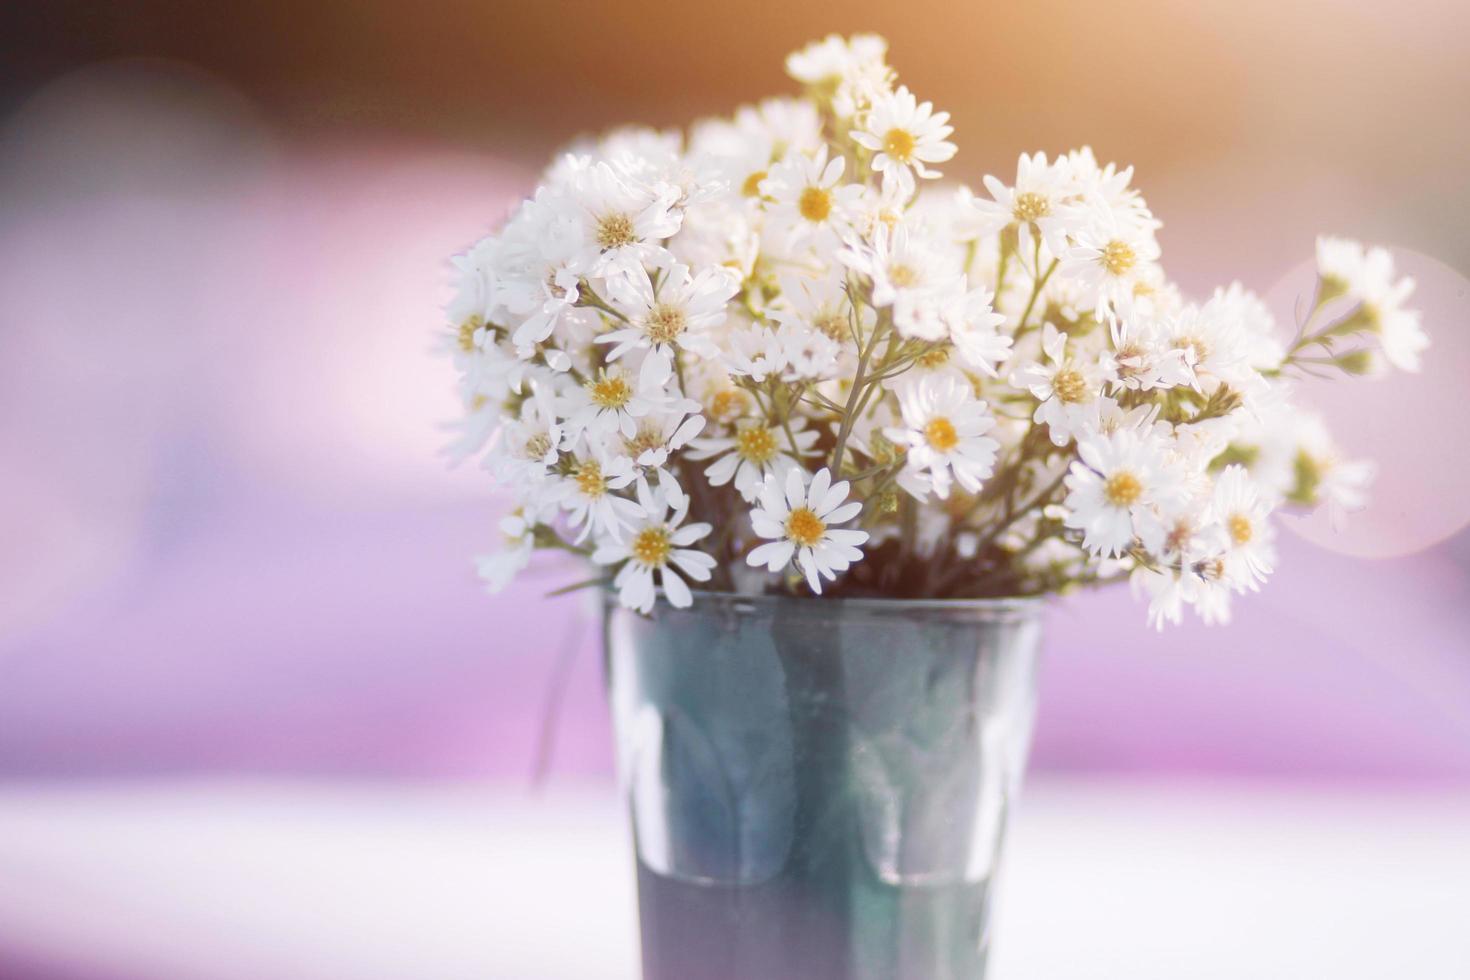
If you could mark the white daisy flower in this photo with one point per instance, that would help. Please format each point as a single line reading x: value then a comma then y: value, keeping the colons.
x: 717, y: 395
x: 588, y: 492
x: 543, y: 266
x: 851, y: 72
x: 825, y: 63
x: 615, y: 399
x: 809, y: 200
x: 818, y: 302
x: 1169, y: 590
x: 1140, y: 358
x: 1245, y: 517
x: 1339, y: 266
x: 755, y: 352
x: 518, y: 531
x: 1065, y: 387
x: 1118, y: 473
x: 1037, y: 204
x: 1320, y: 474
x: 899, y: 264
x: 904, y: 136
x: 1107, y: 260
x: 477, y: 282
x: 659, y: 436
x: 1367, y: 277
x: 885, y: 206
x: 1215, y: 348
x: 656, y: 544
x: 1178, y: 533
x: 754, y: 452
x: 621, y: 220
x: 861, y: 88
x: 1186, y: 547
x: 742, y: 150
x: 809, y: 354
x: 680, y: 312
x: 797, y: 517
x: 495, y: 370
x: 935, y: 365
x: 944, y: 432
x: 1107, y: 187
x: 974, y: 329
x: 530, y: 445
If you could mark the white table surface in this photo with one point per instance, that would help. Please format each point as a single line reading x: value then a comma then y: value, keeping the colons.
x: 244, y: 880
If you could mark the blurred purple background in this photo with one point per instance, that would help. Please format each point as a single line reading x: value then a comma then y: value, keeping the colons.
x: 229, y: 545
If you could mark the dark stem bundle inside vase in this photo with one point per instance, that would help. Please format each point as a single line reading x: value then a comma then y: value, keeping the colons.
x: 819, y: 789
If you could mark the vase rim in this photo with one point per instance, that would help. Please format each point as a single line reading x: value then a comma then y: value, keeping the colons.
x: 1000, y: 607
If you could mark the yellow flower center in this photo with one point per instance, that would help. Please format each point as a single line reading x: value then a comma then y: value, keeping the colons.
x: 1069, y: 385
x: 615, y: 230
x: 804, y: 527
x: 941, y: 434
x: 609, y: 391
x: 1030, y: 205
x: 1130, y: 358
x: 815, y: 204
x: 538, y: 446
x: 728, y: 403
x: 1118, y: 258
x: 1122, y: 489
x: 651, y: 546
x: 1179, y: 536
x: 936, y: 358
x: 903, y: 276
x: 752, y: 185
x: 589, y: 479
x: 664, y: 323
x: 899, y: 143
x: 645, y: 440
x: 467, y: 332
x: 883, y: 450
x: 756, y: 444
x: 1241, y: 530
x: 1193, y: 345
x: 833, y: 324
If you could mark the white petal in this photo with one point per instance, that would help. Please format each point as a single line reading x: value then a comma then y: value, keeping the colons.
x: 653, y: 509
x: 689, y: 534
x: 696, y: 564
x: 795, y: 487
x: 609, y: 554
x: 722, y: 469
x: 676, y: 590
x: 817, y: 492
x: 691, y: 427
x: 775, y: 555
x: 808, y: 564
x: 765, y: 526
x: 845, y: 536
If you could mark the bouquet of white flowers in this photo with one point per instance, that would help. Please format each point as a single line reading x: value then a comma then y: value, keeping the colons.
x: 776, y: 354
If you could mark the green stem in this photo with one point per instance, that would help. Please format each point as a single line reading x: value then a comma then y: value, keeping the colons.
x: 586, y: 297
x: 857, y: 393
x: 1035, y: 292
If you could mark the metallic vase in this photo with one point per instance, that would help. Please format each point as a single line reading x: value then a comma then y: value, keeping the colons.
x: 819, y: 788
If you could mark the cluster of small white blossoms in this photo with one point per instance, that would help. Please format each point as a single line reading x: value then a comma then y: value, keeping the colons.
x: 774, y: 353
